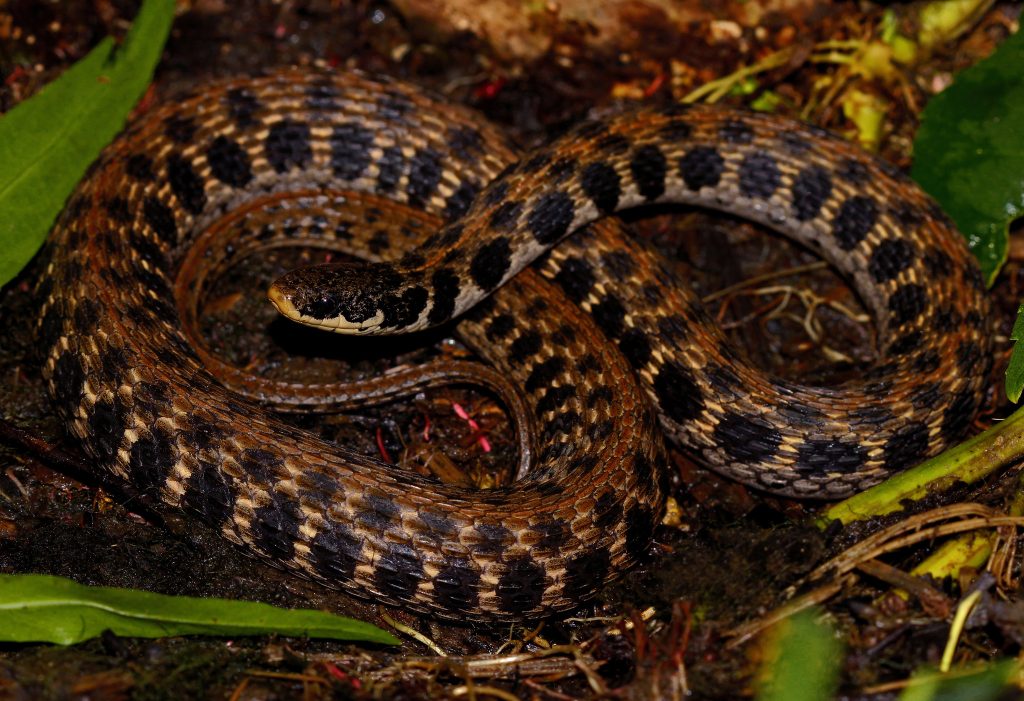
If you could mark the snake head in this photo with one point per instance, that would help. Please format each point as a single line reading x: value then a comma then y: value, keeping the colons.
x: 349, y: 298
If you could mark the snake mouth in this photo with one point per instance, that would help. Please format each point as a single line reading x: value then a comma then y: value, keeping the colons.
x: 284, y: 304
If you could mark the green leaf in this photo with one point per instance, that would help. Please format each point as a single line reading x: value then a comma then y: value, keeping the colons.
x: 1015, y: 370
x: 804, y: 663
x: 48, y: 141
x: 969, y: 154
x: 988, y: 684
x: 38, y: 608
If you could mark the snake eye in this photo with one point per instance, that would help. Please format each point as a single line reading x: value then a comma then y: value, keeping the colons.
x: 343, y: 297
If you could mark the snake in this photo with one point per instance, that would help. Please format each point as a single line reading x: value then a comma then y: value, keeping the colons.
x: 609, y: 351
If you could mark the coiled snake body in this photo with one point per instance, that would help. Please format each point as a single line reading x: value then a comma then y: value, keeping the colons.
x: 603, y: 342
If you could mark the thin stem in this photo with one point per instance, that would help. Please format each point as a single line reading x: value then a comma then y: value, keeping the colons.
x: 968, y: 462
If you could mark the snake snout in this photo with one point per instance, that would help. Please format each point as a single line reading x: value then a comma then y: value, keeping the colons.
x: 341, y: 297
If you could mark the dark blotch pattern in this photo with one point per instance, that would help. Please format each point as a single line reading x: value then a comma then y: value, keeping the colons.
x: 747, y: 438
x: 275, y: 527
x: 390, y: 167
x: 493, y: 538
x: 968, y: 356
x: 67, y: 379
x: 398, y: 572
x: 544, y: 373
x: 702, y: 166
x: 335, y: 551
x: 446, y: 290
x: 439, y: 525
x: 555, y: 398
x: 521, y: 587
x: 906, y: 447
x: 87, y: 314
x: 677, y: 130
x: 210, y: 494
x: 242, y: 106
x: 350, y: 150
x: 496, y: 192
x: 853, y: 172
x: 811, y: 188
x: 459, y: 201
x: 607, y: 510
x: 106, y: 426
x: 576, y: 278
x: 527, y: 345
x: 679, y: 396
x: 321, y: 96
x: 161, y: 219
x: 424, y: 176
x: 229, y: 163
x: 907, y: 303
x: 401, y: 310
x: 457, y: 586
x: 117, y: 208
x: 602, y: 185
x: 584, y: 572
x: 180, y: 130
x: 907, y: 343
x: 561, y: 170
x: 958, y: 415
x: 490, y: 264
x: 465, y: 141
x: 612, y: 144
x: 500, y: 327
x: 261, y: 464
x: 620, y: 264
x: 636, y: 346
x: 551, y: 216
x: 890, y: 258
x: 820, y: 457
x: 287, y: 146
x: 506, y: 215
x: 378, y: 512
x: 759, y: 175
x: 140, y: 167
x: 649, y: 168
x: 186, y: 185
x: 150, y: 460
x: 855, y: 218
x: 639, y: 530
x: 736, y: 132
x: 610, y: 315
x: 551, y: 535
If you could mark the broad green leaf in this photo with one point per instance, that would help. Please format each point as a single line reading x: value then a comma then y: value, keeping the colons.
x: 1015, y: 370
x: 48, y: 141
x: 969, y: 153
x: 38, y: 608
x: 988, y: 684
x: 804, y: 662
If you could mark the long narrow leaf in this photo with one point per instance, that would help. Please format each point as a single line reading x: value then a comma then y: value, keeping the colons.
x: 38, y: 608
x: 48, y: 141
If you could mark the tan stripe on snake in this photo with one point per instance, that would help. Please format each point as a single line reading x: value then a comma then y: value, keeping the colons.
x: 130, y: 386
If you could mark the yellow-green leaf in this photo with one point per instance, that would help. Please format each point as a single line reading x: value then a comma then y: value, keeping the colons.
x: 804, y: 661
x: 39, y: 608
x: 48, y: 141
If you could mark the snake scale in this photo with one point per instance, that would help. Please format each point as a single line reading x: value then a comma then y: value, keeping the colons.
x: 603, y: 343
